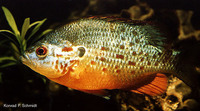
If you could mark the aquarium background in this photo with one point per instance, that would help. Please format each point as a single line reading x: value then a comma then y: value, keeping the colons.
x: 179, y: 19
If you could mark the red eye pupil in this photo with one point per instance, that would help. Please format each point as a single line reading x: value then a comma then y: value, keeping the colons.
x: 41, y: 51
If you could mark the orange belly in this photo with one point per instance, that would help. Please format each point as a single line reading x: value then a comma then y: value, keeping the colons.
x: 88, y: 80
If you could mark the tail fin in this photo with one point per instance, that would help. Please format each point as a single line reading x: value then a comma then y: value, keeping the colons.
x: 188, y: 63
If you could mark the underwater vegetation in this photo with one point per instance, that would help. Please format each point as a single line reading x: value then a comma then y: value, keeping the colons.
x: 21, y: 86
x: 19, y: 40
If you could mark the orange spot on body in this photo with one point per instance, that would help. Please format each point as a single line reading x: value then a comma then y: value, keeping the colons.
x: 134, y: 53
x: 102, y: 58
x: 70, y: 69
x: 61, y: 66
x: 140, y: 52
x: 67, y: 49
x: 101, y: 53
x: 103, y: 48
x: 56, y: 61
x: 131, y: 44
x: 131, y: 63
x: 119, y: 56
x: 118, y: 71
x: 132, y: 72
x: 142, y: 59
x: 64, y: 71
x: 58, y: 55
x: 65, y: 65
x: 56, y: 66
x: 93, y: 62
x: 72, y: 61
x: 116, y: 67
x: 104, y: 69
x: 149, y: 63
x: 121, y: 46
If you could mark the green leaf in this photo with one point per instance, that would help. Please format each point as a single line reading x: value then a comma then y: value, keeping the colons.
x: 8, y: 64
x: 44, y: 80
x: 11, y: 20
x: 8, y: 31
x: 25, y: 27
x: 42, y: 34
x: 7, y: 59
x: 16, y: 52
x: 37, y: 27
x: 3, y: 41
x: 15, y: 48
x: 13, y: 40
x: 23, y: 46
x: 34, y: 23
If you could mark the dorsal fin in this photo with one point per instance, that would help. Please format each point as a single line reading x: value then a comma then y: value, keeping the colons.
x: 120, y: 20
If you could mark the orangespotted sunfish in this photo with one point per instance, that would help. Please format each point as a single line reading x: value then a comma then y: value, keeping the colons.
x: 97, y: 53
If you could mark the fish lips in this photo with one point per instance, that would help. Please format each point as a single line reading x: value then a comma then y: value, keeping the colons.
x: 26, y: 60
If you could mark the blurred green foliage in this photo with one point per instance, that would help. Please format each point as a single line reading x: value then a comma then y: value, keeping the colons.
x: 18, y: 40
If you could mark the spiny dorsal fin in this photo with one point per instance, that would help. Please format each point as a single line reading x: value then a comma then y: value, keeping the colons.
x: 120, y: 20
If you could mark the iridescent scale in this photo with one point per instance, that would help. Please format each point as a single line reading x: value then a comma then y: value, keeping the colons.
x: 120, y: 48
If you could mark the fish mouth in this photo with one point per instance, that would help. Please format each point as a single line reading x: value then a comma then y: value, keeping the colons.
x: 26, y: 60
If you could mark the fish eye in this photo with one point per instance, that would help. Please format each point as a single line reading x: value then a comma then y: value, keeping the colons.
x: 41, y: 51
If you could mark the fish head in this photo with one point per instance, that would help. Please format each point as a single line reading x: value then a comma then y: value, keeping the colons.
x: 52, y: 60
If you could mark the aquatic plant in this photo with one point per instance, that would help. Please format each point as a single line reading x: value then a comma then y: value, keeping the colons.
x: 18, y: 40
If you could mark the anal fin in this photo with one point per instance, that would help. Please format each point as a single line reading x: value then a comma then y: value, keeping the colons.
x: 156, y: 87
x: 96, y: 92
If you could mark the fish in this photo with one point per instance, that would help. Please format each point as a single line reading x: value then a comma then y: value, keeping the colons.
x: 96, y: 54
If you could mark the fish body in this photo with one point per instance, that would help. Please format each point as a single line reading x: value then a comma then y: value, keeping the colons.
x: 97, y: 53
